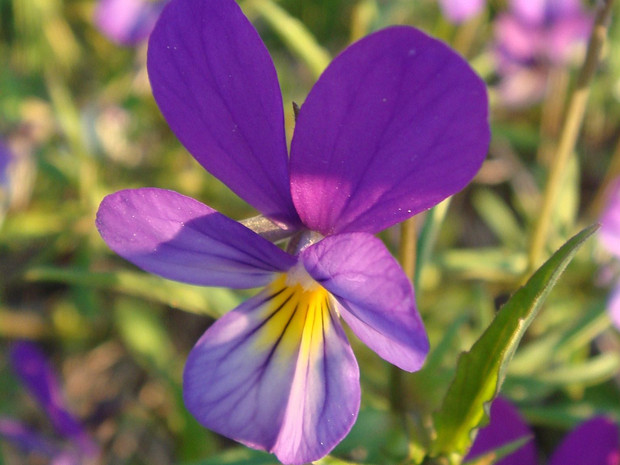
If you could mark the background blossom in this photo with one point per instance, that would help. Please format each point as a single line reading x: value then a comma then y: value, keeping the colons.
x: 127, y: 22
x: 530, y: 39
x: 593, y: 442
x: 39, y: 379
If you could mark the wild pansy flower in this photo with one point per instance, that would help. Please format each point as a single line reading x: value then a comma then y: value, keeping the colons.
x: 593, y: 442
x: 395, y: 124
x: 458, y: 11
x: 127, y: 22
x: 530, y: 39
x: 38, y: 377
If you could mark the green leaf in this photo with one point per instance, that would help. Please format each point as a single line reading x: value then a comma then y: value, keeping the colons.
x: 202, y: 300
x: 495, y: 455
x: 498, y: 216
x: 481, y: 371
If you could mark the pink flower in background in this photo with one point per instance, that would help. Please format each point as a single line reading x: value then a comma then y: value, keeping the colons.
x: 458, y: 11
x: 530, y: 38
x: 127, y: 22
x: 609, y: 236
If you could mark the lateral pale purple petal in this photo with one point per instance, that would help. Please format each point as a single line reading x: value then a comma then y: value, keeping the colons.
x: 37, y: 375
x: 276, y: 373
x: 375, y: 297
x: 216, y: 85
x: 594, y: 442
x: 180, y: 238
x: 505, y: 425
x: 396, y: 123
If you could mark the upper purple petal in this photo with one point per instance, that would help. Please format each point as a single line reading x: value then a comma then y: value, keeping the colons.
x: 180, y: 238
x: 461, y: 10
x: 375, y: 296
x: 594, y: 442
x: 216, y: 85
x: 396, y: 123
x: 127, y: 22
x: 505, y: 425
x: 5, y: 159
x: 37, y: 375
x: 276, y: 375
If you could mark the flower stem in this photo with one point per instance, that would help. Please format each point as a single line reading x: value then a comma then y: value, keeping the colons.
x: 569, y: 133
x: 406, y: 257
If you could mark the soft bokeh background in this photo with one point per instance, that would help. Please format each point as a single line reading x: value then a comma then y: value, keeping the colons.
x: 78, y: 118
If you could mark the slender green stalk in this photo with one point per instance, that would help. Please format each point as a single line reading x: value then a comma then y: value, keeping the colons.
x: 551, y: 114
x: 407, y: 258
x: 569, y: 133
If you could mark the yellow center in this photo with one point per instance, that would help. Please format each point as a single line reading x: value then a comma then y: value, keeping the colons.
x: 296, y: 313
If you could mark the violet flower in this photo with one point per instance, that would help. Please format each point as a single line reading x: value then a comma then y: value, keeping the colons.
x: 532, y: 37
x: 38, y: 377
x: 127, y: 22
x: 458, y: 11
x: 394, y: 125
x: 593, y: 442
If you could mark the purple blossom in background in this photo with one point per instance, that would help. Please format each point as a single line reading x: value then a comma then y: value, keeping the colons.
x: 38, y: 377
x: 395, y: 124
x: 593, y: 442
x: 5, y: 160
x: 532, y: 37
x: 458, y: 11
x: 127, y: 22
x: 609, y: 236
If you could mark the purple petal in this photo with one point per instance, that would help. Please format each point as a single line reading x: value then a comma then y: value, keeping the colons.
x: 397, y: 123
x: 276, y: 373
x: 26, y: 439
x: 216, y: 85
x: 505, y: 426
x: 127, y: 22
x: 37, y: 375
x: 374, y: 295
x: 180, y: 238
x: 458, y: 11
x: 594, y: 442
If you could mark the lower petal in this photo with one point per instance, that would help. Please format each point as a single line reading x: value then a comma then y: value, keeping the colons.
x: 374, y: 295
x: 277, y: 374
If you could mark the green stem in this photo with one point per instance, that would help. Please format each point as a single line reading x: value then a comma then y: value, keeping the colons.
x: 569, y: 133
x: 407, y: 257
